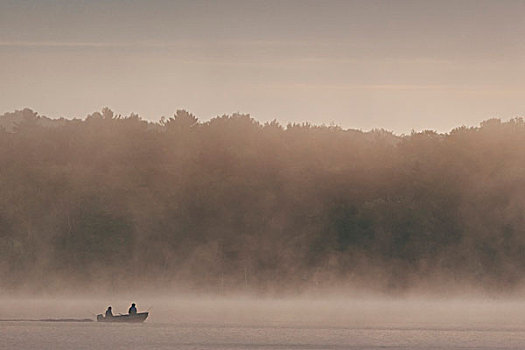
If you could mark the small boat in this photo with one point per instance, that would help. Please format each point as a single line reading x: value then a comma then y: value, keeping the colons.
x: 137, y: 318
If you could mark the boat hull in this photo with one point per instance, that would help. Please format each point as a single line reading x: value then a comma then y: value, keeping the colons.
x: 137, y: 318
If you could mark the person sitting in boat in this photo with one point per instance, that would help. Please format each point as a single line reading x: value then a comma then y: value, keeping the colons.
x: 109, y: 313
x: 132, y: 310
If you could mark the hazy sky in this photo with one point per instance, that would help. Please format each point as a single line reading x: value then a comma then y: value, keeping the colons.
x: 398, y: 65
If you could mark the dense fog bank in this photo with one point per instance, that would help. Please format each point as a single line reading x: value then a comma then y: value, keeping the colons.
x: 118, y: 203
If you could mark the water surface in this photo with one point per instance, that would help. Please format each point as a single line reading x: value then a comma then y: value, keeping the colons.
x: 207, y: 323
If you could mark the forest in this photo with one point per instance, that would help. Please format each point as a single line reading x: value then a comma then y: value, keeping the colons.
x: 232, y: 204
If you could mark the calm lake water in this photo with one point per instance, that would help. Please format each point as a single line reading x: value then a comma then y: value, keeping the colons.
x: 193, y: 323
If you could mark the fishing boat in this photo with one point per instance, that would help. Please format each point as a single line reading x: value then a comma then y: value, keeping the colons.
x: 137, y: 318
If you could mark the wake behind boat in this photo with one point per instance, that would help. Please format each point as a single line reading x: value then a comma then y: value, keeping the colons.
x: 137, y: 318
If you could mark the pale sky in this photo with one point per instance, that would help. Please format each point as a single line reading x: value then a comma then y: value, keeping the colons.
x: 398, y: 65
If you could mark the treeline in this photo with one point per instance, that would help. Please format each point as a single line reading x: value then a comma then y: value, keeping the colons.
x: 232, y: 204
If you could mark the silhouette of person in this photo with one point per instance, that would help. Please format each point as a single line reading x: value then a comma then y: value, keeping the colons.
x: 109, y: 313
x: 132, y: 310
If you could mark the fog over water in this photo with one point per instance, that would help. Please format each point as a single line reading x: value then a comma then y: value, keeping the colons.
x: 333, y: 311
x: 112, y: 203
x: 297, y: 174
x: 235, y: 234
x: 187, y: 322
x: 235, y: 223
